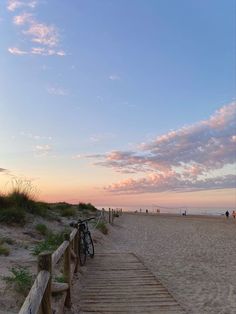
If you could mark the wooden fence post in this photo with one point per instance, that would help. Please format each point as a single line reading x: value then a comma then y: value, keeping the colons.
x: 109, y: 217
x: 66, y: 271
x: 45, y: 263
x: 76, y: 250
x: 103, y: 214
x: 112, y: 215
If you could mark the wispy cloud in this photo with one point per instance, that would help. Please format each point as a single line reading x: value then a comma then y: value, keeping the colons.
x: 57, y: 91
x: 185, y: 159
x: 23, y: 18
x: 78, y: 156
x: 35, y: 137
x: 13, y: 5
x: 46, y: 36
x: 96, y: 138
x: 17, y: 51
x: 114, y: 77
x: 43, y: 34
x: 43, y: 150
x: 46, y: 52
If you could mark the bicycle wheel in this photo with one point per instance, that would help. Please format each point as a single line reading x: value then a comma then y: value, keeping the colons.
x: 82, y: 248
x: 89, y: 244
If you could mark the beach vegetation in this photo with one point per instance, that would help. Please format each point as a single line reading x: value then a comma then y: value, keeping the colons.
x: 21, y: 279
x: 86, y: 207
x: 15, y: 204
x: 69, y: 211
x: 42, y: 229
x: 50, y: 243
x: 102, y: 227
x: 60, y: 279
x: 4, y: 250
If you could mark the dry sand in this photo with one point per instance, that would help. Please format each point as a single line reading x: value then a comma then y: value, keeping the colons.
x: 194, y: 257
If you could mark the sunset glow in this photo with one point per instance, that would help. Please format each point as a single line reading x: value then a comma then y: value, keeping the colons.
x: 120, y: 103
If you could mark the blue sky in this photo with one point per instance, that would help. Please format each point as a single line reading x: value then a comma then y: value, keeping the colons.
x: 85, y: 78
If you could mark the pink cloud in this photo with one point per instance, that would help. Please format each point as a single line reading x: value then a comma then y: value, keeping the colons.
x: 46, y: 36
x: 184, y: 158
x: 17, y: 51
x: 40, y: 33
x: 23, y: 18
x: 13, y: 5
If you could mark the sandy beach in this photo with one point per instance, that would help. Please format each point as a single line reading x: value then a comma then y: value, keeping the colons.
x: 194, y: 257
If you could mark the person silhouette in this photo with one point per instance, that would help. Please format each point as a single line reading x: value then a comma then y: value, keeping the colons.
x: 227, y: 214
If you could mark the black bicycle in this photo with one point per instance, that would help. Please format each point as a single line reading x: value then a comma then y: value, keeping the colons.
x: 86, y: 247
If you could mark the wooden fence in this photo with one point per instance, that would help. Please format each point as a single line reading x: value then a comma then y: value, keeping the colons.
x: 39, y: 299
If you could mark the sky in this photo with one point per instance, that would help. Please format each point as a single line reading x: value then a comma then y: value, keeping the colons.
x: 119, y: 103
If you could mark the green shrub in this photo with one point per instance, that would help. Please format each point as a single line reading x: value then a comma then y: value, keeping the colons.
x: 7, y: 240
x: 4, y: 250
x: 12, y: 215
x: 68, y: 211
x: 62, y: 205
x: 51, y: 243
x: 21, y: 279
x: 88, y: 206
x: 42, y: 229
x: 102, y: 227
x: 60, y: 279
x: 3, y: 201
x: 39, y: 208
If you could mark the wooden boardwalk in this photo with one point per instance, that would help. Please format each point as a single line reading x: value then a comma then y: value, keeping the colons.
x: 120, y: 283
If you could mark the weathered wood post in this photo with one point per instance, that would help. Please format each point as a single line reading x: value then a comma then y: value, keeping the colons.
x: 103, y: 214
x: 45, y: 263
x: 76, y: 250
x: 109, y: 217
x: 112, y: 215
x: 66, y: 271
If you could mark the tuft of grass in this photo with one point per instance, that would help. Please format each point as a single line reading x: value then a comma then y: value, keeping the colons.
x: 12, y: 215
x: 87, y: 206
x: 42, y: 229
x: 7, y: 240
x: 102, y: 227
x: 68, y: 211
x: 21, y: 279
x: 60, y: 279
x: 18, y: 202
x: 4, y: 250
x: 51, y: 243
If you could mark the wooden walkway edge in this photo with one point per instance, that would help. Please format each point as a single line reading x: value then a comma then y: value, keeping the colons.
x: 120, y: 283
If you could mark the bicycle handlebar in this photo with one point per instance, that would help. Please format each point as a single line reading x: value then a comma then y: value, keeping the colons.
x: 79, y: 222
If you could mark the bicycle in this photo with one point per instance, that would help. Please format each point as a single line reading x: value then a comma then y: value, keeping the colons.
x: 85, y: 246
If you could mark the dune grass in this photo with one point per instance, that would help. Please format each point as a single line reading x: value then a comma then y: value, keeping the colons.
x: 4, y: 250
x: 21, y: 279
x: 50, y: 243
x: 102, y: 227
x: 18, y: 202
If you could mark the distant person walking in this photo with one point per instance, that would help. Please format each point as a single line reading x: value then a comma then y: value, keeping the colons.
x: 234, y: 214
x: 227, y: 214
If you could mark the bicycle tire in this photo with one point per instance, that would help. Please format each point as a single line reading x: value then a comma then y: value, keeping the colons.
x: 82, y: 248
x: 89, y: 243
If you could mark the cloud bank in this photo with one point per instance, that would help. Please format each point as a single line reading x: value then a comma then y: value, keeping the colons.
x: 192, y: 158
x: 44, y: 38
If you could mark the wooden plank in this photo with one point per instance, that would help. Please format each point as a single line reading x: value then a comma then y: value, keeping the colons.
x: 33, y: 300
x: 59, y: 252
x: 120, y: 283
x: 59, y: 287
x: 73, y: 234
